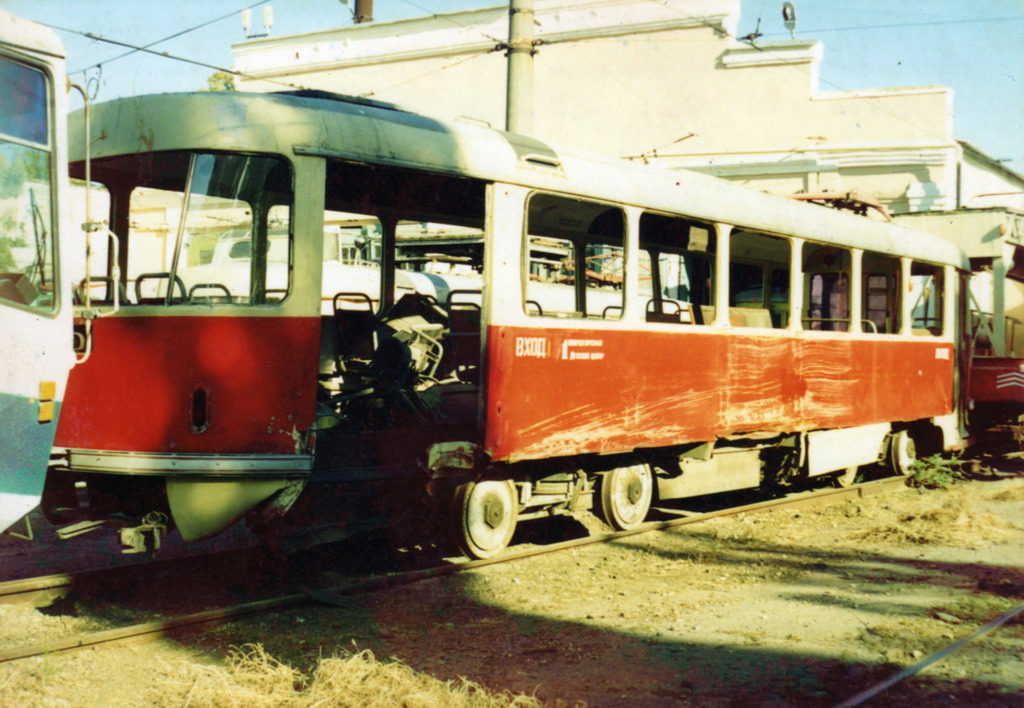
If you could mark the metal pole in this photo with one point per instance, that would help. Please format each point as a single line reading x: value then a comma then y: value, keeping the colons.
x: 519, y: 98
x: 364, y: 11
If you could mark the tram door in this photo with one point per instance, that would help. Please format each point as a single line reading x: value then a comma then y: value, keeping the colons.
x: 35, y: 312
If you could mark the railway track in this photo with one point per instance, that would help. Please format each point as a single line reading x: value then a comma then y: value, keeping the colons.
x: 38, y: 591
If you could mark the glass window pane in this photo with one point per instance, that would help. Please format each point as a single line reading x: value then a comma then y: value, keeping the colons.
x: 442, y: 260
x: 826, y: 288
x: 26, y: 227
x: 881, y: 291
x: 605, y: 278
x: 23, y: 111
x: 574, y: 258
x: 353, y: 254
x: 226, y: 240
x: 551, y: 277
x: 926, y: 294
x: 682, y: 287
x: 758, y: 280
x: 27, y: 250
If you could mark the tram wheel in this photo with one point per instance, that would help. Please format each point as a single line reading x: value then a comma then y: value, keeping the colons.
x: 626, y: 494
x: 485, y: 515
x: 846, y: 478
x: 902, y: 452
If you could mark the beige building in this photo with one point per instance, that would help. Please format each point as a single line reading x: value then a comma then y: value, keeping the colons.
x: 666, y: 83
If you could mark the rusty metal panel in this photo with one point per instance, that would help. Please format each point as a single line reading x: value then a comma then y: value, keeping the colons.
x: 997, y: 379
x: 134, y: 392
x: 570, y: 391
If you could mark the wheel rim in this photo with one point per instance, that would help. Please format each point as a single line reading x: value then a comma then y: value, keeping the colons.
x: 486, y: 517
x: 903, y: 452
x: 847, y: 478
x: 626, y: 496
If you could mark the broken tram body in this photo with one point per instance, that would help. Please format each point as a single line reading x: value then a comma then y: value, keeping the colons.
x: 335, y: 315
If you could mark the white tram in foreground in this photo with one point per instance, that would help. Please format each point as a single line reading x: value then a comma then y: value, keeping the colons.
x: 35, y: 300
x: 335, y: 315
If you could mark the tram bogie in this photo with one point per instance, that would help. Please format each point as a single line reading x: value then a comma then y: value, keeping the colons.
x: 339, y: 316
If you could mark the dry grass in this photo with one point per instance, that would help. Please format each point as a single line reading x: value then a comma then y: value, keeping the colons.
x: 952, y: 521
x: 1008, y: 495
x: 254, y: 678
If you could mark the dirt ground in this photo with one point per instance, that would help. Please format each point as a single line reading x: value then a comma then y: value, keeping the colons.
x: 780, y: 609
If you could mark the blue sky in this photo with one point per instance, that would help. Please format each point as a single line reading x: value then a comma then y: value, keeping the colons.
x: 975, y: 47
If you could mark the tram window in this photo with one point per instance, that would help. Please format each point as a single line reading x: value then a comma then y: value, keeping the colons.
x: 551, y: 277
x: 187, y: 214
x: 881, y: 293
x: 23, y: 113
x: 444, y: 261
x: 758, y: 280
x: 676, y: 268
x: 926, y: 294
x: 400, y: 218
x: 352, y: 257
x: 99, y: 285
x: 27, y: 268
x: 826, y: 288
x: 566, y: 238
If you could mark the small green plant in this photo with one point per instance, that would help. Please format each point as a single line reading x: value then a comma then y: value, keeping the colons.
x: 936, y: 472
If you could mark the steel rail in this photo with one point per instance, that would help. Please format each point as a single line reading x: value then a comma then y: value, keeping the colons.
x: 49, y: 587
x: 869, y: 693
x: 339, y: 595
x: 17, y: 591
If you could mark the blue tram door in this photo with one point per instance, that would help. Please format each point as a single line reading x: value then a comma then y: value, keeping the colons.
x: 35, y: 303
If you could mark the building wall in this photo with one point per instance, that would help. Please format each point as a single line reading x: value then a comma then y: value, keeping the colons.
x: 664, y: 83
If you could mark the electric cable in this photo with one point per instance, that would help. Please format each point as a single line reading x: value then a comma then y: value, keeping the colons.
x: 169, y: 37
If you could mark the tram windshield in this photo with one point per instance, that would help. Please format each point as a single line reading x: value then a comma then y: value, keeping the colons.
x: 203, y: 228
x: 26, y: 190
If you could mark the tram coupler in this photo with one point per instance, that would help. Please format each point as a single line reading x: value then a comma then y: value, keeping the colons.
x: 144, y: 538
x: 77, y: 529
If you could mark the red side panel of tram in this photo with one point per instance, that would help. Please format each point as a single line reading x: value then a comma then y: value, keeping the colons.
x: 997, y: 379
x: 555, y: 392
x: 194, y: 384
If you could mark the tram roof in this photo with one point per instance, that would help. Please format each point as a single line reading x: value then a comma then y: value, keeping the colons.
x: 327, y: 125
x: 19, y: 33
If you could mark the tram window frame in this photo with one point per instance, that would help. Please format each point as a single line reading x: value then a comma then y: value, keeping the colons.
x: 751, y: 254
x: 585, y: 230
x: 930, y: 300
x: 351, y: 240
x: 29, y: 267
x: 683, y: 251
x: 827, y: 271
x: 881, y: 307
x: 99, y: 283
x: 399, y: 195
x: 446, y: 257
x: 234, y: 177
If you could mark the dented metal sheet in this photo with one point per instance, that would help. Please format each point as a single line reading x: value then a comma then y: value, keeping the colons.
x: 253, y: 409
x: 649, y: 389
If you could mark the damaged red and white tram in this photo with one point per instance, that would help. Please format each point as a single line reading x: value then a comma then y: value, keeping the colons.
x: 333, y: 314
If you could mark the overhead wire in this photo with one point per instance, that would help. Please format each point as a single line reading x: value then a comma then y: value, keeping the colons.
x: 451, y: 65
x: 169, y: 37
x: 174, y: 57
x: 147, y: 48
x: 717, y: 28
x: 902, y: 25
x: 449, y: 19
